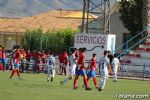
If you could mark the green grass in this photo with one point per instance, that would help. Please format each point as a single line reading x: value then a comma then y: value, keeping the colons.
x: 36, y: 87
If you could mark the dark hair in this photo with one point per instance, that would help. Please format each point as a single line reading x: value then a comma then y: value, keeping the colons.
x: 17, y: 46
x: 115, y: 55
x: 83, y: 49
x: 108, y: 52
x: 94, y: 54
x: 51, y: 53
x: 105, y: 52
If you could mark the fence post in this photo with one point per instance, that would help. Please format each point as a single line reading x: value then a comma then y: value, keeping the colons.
x: 122, y: 69
x: 144, y: 71
x: 126, y: 48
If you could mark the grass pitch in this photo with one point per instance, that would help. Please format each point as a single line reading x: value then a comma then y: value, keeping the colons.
x: 36, y: 87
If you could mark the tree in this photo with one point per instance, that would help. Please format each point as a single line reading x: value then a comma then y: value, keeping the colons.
x: 33, y: 39
x: 131, y: 15
x: 50, y: 40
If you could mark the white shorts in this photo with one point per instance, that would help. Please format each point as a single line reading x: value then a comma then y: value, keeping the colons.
x: 65, y: 65
x: 72, y: 69
x: 104, y: 74
x: 61, y: 64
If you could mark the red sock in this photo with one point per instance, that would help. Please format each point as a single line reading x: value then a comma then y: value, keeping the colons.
x: 95, y: 82
x: 75, y: 83
x: 85, y: 82
x: 13, y: 72
x: 88, y: 79
x: 18, y: 72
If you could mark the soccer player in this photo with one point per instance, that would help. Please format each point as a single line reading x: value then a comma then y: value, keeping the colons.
x: 51, y: 66
x: 72, y: 61
x: 28, y: 58
x: 110, y: 57
x: 65, y: 62
x: 81, y: 71
x: 115, y: 65
x: 1, y: 57
x: 4, y: 59
x: 92, y: 66
x: 16, y: 60
x: 104, y: 65
x: 61, y: 62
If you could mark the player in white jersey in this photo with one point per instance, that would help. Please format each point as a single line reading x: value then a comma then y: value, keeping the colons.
x: 51, y: 66
x: 104, y: 65
x: 72, y: 66
x: 115, y: 65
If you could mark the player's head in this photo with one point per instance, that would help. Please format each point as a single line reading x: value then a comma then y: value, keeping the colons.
x: 50, y: 53
x: 17, y: 46
x: 115, y: 55
x: 64, y: 51
x: 83, y: 49
x: 94, y: 54
x: 108, y: 52
x: 105, y: 53
x: 80, y: 50
x: 73, y: 51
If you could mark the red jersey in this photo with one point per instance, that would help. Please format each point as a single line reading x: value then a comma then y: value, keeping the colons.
x: 28, y: 55
x: 65, y: 58
x: 37, y: 55
x: 0, y: 52
x: 81, y: 61
x: 43, y: 55
x: 24, y: 53
x: 61, y: 58
x: 16, y: 56
x: 4, y: 54
x: 92, y: 64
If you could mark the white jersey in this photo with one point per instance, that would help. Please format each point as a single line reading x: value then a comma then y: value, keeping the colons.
x: 104, y: 62
x: 115, y: 63
x: 72, y: 59
x: 72, y: 64
x: 51, y: 61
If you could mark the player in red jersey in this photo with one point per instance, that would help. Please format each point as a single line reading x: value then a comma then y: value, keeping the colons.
x: 16, y: 60
x: 28, y: 56
x: 61, y: 62
x: 4, y: 59
x: 65, y: 62
x: 81, y: 71
x: 91, y: 73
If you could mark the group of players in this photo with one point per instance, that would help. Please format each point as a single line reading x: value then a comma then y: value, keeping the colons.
x: 77, y: 67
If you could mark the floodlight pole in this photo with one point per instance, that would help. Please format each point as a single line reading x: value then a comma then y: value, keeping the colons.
x: 99, y: 24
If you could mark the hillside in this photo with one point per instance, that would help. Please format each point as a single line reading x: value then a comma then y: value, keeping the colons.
x: 22, y: 8
x: 53, y: 19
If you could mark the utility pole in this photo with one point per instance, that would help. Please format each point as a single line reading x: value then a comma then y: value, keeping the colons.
x: 99, y: 10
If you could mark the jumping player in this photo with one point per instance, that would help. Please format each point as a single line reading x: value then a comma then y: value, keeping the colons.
x: 16, y: 60
x: 81, y: 71
x: 51, y: 67
x: 104, y: 65
x: 72, y: 61
x: 115, y: 65
x: 92, y: 67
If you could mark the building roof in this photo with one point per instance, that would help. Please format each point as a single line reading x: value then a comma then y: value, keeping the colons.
x: 52, y: 20
x: 79, y: 15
